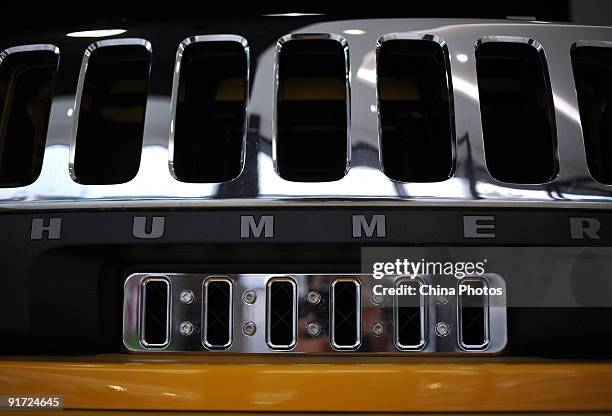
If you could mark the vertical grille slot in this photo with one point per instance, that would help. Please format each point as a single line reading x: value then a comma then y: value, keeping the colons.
x: 345, y: 314
x: 111, y: 111
x: 415, y: 110
x: 410, y: 317
x: 282, y: 313
x: 593, y: 75
x: 517, y: 111
x: 155, y: 327
x: 218, y: 306
x: 312, y: 112
x: 27, y: 82
x: 473, y: 315
x: 210, y: 120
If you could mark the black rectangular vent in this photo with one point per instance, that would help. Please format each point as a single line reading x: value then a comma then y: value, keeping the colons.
x: 312, y: 114
x: 473, y: 310
x: 345, y: 314
x: 593, y: 75
x: 410, y: 317
x: 210, y: 118
x: 156, y: 313
x: 27, y: 82
x: 517, y: 111
x: 111, y: 113
x: 415, y: 110
x: 282, y: 313
x: 218, y: 306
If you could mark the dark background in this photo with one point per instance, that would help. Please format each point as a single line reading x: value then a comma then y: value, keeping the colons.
x: 20, y: 15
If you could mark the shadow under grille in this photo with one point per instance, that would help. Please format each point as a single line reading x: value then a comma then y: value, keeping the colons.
x: 410, y: 317
x: 593, y: 75
x: 346, y: 314
x: 473, y: 315
x: 312, y: 110
x: 414, y: 110
x: 210, y: 120
x: 282, y: 313
x: 517, y: 112
x: 218, y: 305
x: 156, y: 310
x: 111, y: 114
x: 27, y: 83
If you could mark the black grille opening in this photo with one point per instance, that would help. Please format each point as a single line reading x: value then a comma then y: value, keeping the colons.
x: 156, y: 310
x: 415, y: 111
x: 473, y: 315
x: 111, y: 115
x: 210, y: 121
x: 27, y: 82
x: 217, y: 313
x: 410, y: 317
x: 517, y: 112
x: 346, y: 314
x: 282, y: 314
x: 312, y: 111
x: 593, y: 75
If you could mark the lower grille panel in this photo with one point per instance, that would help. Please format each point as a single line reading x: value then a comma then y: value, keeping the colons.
x: 307, y: 313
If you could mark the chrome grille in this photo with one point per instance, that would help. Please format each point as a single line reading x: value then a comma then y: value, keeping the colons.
x: 259, y: 184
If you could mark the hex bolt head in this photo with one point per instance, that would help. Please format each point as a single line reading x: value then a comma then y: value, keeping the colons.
x: 186, y: 297
x: 186, y: 328
x: 377, y: 299
x: 441, y: 299
x: 442, y: 329
x: 313, y: 297
x: 249, y: 329
x: 313, y: 329
x: 249, y: 297
x: 378, y: 329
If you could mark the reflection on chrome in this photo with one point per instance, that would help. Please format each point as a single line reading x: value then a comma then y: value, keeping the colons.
x: 96, y: 33
x: 259, y: 184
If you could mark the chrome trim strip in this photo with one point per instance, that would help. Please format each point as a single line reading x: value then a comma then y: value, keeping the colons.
x: 29, y: 48
x: 305, y: 202
x: 175, y: 86
x: 79, y: 92
x: 205, y: 312
x: 294, y: 313
x: 423, y: 318
x: 332, y: 298
x: 449, y: 85
x: 549, y: 95
x: 347, y: 66
x: 143, y: 304
x: 486, y: 307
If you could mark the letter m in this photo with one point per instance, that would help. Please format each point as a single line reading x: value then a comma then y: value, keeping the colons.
x: 361, y: 226
x: 249, y: 227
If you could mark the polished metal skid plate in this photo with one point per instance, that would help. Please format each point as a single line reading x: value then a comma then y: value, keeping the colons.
x: 376, y: 316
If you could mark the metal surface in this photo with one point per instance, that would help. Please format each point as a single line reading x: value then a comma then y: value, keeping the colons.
x: 321, y: 313
x: 259, y: 184
x: 289, y: 384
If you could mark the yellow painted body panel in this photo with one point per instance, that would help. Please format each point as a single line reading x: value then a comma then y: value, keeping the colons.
x: 191, y: 383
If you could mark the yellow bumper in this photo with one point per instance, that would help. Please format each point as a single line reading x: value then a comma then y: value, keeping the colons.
x: 190, y: 383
